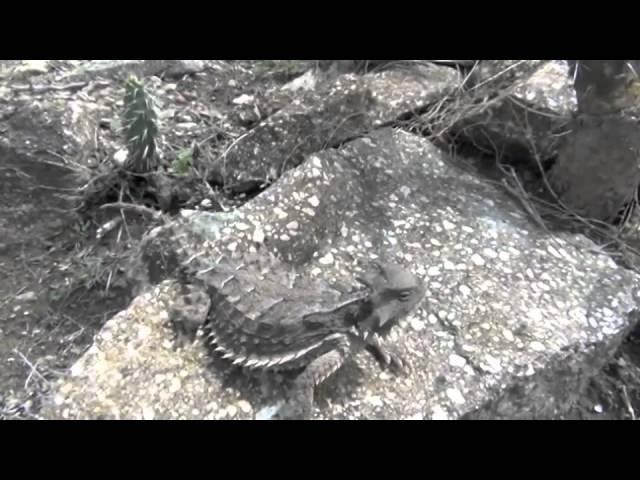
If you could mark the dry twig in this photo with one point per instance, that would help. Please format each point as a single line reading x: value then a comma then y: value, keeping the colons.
x: 628, y: 403
x: 33, y: 368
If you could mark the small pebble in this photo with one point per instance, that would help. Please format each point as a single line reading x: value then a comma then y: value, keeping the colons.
x: 608, y: 312
x: 553, y: 252
x: 243, y: 99
x: 268, y: 412
x: 316, y: 162
x: 143, y: 332
x: 492, y: 364
x: 175, y: 385
x: 448, y: 225
x: 535, y: 314
x: 457, y: 361
x: 280, y: 213
x: 598, y: 409
x: 148, y: 413
x: 433, y: 271
x: 120, y: 156
x: 26, y: 297
x: 416, y: 324
x: 489, y: 253
x: 537, y: 346
x: 406, y: 191
x: 508, y: 335
x: 455, y: 396
x: 232, y: 410
x: 244, y: 406
x: 477, y: 260
x: 438, y: 413
x: 186, y: 125
x: 326, y: 260
x: 464, y: 290
x: 258, y: 236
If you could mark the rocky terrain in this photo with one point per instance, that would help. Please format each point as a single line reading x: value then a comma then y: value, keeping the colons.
x: 433, y: 164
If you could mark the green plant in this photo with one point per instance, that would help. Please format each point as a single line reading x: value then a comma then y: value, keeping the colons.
x: 140, y: 127
x: 183, y: 161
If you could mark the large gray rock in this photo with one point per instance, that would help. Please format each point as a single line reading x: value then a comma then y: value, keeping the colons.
x: 325, y: 116
x: 45, y: 138
x: 530, y: 120
x: 515, y: 319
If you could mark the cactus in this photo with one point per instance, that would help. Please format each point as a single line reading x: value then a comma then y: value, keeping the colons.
x: 140, y: 127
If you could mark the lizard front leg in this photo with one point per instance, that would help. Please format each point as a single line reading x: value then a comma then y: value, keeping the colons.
x: 387, y: 355
x: 188, y: 314
x: 300, y: 403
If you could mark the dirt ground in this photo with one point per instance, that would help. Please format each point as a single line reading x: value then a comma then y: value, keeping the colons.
x: 54, y: 294
x: 59, y: 285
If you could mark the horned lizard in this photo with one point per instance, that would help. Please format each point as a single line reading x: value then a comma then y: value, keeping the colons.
x: 258, y: 316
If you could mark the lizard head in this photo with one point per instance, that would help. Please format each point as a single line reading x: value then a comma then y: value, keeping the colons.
x: 395, y: 292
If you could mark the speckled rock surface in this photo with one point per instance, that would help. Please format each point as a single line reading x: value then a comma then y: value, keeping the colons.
x: 514, y: 322
x: 48, y: 125
x: 328, y: 115
x: 532, y: 120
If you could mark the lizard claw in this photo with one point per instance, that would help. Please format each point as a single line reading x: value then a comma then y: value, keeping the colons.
x: 395, y: 362
x: 183, y: 339
x: 399, y: 365
x: 388, y: 358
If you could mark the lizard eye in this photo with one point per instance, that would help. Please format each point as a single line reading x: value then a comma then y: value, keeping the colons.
x: 405, y: 295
